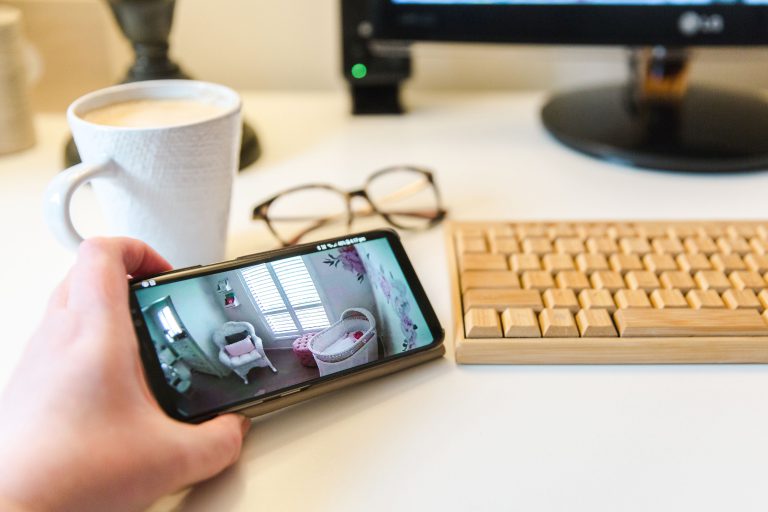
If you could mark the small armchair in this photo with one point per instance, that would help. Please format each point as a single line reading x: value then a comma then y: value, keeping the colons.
x: 242, y: 363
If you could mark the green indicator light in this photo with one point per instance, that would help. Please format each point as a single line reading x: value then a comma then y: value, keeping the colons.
x: 359, y: 71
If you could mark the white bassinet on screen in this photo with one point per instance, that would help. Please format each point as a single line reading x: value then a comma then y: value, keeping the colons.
x: 335, y: 348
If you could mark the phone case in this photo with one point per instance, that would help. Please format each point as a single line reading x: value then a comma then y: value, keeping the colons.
x: 295, y: 397
x: 166, y: 388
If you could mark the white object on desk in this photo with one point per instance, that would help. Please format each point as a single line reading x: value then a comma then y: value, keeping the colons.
x: 168, y: 185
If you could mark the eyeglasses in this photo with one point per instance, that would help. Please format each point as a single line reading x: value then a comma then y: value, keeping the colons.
x: 406, y: 197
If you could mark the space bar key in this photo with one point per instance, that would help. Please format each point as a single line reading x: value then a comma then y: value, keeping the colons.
x: 633, y: 323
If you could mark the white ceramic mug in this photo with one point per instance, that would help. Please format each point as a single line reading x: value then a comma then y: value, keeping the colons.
x: 169, y: 186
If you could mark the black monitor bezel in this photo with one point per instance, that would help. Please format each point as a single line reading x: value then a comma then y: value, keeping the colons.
x: 630, y: 25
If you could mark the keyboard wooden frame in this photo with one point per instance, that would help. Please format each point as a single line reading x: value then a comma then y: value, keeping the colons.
x: 725, y: 349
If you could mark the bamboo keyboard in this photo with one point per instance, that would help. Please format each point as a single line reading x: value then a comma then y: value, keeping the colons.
x: 610, y: 292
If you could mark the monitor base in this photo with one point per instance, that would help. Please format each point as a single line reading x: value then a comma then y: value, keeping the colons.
x: 656, y: 121
x: 710, y: 131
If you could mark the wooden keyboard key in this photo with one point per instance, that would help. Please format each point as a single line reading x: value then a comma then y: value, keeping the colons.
x: 470, y: 244
x: 559, y: 298
x: 637, y: 245
x: 677, y: 279
x: 700, y: 245
x: 536, y: 246
x: 562, y: 230
x: 591, y: 230
x: 659, y: 263
x: 740, y: 299
x: 760, y: 230
x: 741, y: 230
x: 588, y: 262
x: 601, y: 245
x: 523, y: 262
x: 727, y: 262
x: 689, y: 322
x: 595, y: 323
x: 504, y: 245
x: 531, y: 230
x: 668, y: 299
x: 482, y: 323
x: 730, y: 245
x: 681, y: 230
x: 501, y: 299
x: 472, y: 261
x: 520, y: 323
x: 762, y: 297
x: 704, y: 299
x: 572, y: 279
x: 631, y: 299
x: 756, y: 262
x: 557, y: 262
x: 751, y: 280
x: 501, y: 231
x: 666, y: 245
x: 489, y: 279
x: 558, y: 323
x: 692, y: 263
x: 651, y: 230
x: 617, y: 231
x: 471, y: 230
x: 623, y: 263
x: 642, y: 280
x: 759, y: 245
x: 711, y: 230
x: 597, y: 299
x: 570, y: 245
x: 606, y: 280
x: 712, y: 280
x: 537, y: 280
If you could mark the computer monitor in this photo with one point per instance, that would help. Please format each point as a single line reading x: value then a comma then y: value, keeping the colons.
x: 656, y: 120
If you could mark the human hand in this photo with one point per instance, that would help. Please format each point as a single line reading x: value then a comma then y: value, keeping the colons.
x: 80, y: 429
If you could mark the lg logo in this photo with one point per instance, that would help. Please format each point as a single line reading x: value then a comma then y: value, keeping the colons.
x: 691, y: 23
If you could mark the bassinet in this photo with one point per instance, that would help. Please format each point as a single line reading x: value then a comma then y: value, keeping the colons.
x: 334, y: 351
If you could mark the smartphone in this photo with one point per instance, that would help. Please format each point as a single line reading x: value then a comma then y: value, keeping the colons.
x: 267, y: 330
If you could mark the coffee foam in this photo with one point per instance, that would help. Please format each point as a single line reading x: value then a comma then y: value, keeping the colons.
x: 152, y: 113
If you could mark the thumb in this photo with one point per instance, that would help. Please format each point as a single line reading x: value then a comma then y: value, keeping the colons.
x: 214, y: 445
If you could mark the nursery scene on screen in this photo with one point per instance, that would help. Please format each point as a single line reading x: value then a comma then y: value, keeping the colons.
x: 234, y: 335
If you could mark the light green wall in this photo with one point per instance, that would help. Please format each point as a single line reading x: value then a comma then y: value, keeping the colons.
x: 195, y: 303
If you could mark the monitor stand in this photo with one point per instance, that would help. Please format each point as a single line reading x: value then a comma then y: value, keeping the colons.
x: 656, y: 121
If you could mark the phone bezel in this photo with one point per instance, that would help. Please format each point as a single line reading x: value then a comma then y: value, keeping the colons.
x: 165, y: 395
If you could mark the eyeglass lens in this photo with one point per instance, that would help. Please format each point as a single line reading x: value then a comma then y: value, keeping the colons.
x: 405, y: 196
x: 323, y: 212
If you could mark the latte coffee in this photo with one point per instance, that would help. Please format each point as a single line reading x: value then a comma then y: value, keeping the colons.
x: 154, y: 112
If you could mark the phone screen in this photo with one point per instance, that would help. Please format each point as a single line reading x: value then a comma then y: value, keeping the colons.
x: 238, y: 332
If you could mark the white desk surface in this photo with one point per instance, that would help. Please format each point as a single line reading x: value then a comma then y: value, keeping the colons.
x: 442, y: 436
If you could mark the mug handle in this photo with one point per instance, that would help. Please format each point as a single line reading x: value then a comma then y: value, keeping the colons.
x: 58, y: 197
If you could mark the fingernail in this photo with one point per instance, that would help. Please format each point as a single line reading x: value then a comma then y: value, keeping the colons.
x: 245, y: 425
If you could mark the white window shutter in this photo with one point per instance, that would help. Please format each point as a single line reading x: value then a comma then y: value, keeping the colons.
x: 285, y: 293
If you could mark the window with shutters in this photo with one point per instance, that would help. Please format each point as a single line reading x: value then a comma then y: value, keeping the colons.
x: 286, y: 295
